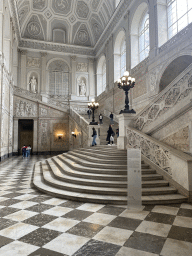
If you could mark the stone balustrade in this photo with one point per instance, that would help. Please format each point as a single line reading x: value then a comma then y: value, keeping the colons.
x: 173, y: 164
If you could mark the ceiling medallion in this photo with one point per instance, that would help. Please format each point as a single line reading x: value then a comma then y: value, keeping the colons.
x: 82, y: 36
x: 34, y: 28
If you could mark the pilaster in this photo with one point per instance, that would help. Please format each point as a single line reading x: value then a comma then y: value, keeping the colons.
x: 23, y: 69
x: 73, y: 90
x: 91, y: 79
x: 44, y: 88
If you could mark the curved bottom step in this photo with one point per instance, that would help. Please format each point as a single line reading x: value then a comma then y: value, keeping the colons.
x: 38, y: 182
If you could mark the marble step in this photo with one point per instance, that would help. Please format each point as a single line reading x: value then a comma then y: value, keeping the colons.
x: 92, y: 171
x: 38, y: 182
x: 61, y: 172
x: 95, y: 174
x: 82, y: 186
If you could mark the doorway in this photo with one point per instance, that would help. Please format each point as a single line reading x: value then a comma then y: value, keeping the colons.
x: 25, y: 135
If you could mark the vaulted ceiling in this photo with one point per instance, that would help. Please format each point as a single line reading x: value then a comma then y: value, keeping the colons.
x: 82, y: 21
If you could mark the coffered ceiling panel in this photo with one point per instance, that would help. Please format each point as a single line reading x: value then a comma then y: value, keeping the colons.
x: 80, y: 21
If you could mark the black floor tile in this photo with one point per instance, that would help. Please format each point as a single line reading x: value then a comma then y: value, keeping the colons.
x: 45, y: 252
x: 40, y: 220
x: 6, y: 223
x: 185, y: 212
x: 97, y: 248
x: 125, y: 223
x: 10, y: 202
x: 5, y: 241
x: 7, y: 210
x: 40, y: 236
x: 111, y: 210
x: 40, y: 208
x: 85, y: 229
x: 145, y: 242
x: 77, y: 215
x: 180, y: 233
x: 160, y: 218
x: 71, y: 204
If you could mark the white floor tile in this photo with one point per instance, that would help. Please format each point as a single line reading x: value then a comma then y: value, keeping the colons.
x: 181, y: 221
x: 58, y: 211
x: 113, y: 235
x: 54, y: 201
x: 99, y: 218
x: 18, y: 230
x: 61, y: 224
x: 165, y: 209
x: 91, y: 207
x: 134, y: 215
x: 21, y: 215
x: 176, y: 248
x: 17, y: 248
x: 154, y: 228
x: 124, y: 251
x: 23, y: 205
x: 67, y: 244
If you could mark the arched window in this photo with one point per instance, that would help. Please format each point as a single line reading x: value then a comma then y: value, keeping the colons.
x: 119, y: 55
x: 58, y: 78
x: 139, y: 35
x: 179, y: 13
x: 117, y: 2
x: 101, y: 75
x: 123, y: 57
x: 144, y: 37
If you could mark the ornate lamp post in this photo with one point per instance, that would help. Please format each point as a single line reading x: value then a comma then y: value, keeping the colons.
x: 126, y: 83
x: 93, y: 106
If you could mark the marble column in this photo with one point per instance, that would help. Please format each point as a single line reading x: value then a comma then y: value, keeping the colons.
x: 1, y: 27
x: 73, y: 88
x: 23, y: 69
x: 44, y: 84
x: 15, y: 135
x: 92, y: 91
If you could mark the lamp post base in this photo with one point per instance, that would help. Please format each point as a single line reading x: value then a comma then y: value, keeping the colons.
x: 130, y: 111
x: 93, y: 123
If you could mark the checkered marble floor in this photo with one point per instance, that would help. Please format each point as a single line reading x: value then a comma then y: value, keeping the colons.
x: 36, y: 224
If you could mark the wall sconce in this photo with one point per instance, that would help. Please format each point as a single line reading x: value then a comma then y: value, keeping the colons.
x: 60, y: 136
x: 73, y: 134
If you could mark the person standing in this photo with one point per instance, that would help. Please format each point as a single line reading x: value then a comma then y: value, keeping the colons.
x: 94, y: 135
x: 117, y: 132
x: 109, y: 133
x: 111, y: 118
x: 24, y: 151
x: 28, y: 151
x: 100, y: 118
x: 89, y: 112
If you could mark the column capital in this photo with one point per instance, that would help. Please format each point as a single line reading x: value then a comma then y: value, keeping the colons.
x: 23, y: 52
x: 43, y: 54
x: 73, y: 57
x: 91, y: 60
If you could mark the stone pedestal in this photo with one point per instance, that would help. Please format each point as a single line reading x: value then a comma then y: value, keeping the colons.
x: 125, y: 119
x: 97, y: 127
x: 134, y: 189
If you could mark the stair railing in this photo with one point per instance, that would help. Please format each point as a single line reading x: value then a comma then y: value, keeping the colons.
x: 174, y: 165
x: 81, y: 121
x: 170, y: 102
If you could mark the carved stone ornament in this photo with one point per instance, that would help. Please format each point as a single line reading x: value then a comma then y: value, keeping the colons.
x: 39, y: 4
x: 34, y: 28
x: 82, y: 9
x: 43, y: 111
x: 82, y: 36
x: 82, y: 67
x: 43, y: 129
x: 153, y: 78
x: 33, y: 62
x: 25, y: 109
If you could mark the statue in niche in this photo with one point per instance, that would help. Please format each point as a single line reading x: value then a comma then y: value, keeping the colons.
x: 82, y: 88
x: 33, y: 83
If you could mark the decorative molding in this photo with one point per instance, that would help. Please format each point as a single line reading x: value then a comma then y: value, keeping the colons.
x: 82, y: 67
x: 47, y: 46
x: 73, y: 57
x: 25, y: 109
x: 33, y: 62
x: 43, y: 54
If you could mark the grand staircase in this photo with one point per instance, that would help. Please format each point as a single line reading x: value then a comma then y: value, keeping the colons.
x: 98, y: 175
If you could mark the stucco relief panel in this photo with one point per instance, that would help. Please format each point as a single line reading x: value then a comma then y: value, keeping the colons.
x: 82, y: 9
x: 62, y: 6
x: 25, y: 109
x: 44, y: 134
x: 39, y: 4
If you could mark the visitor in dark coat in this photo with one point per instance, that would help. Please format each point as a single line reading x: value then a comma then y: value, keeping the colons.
x: 109, y: 133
